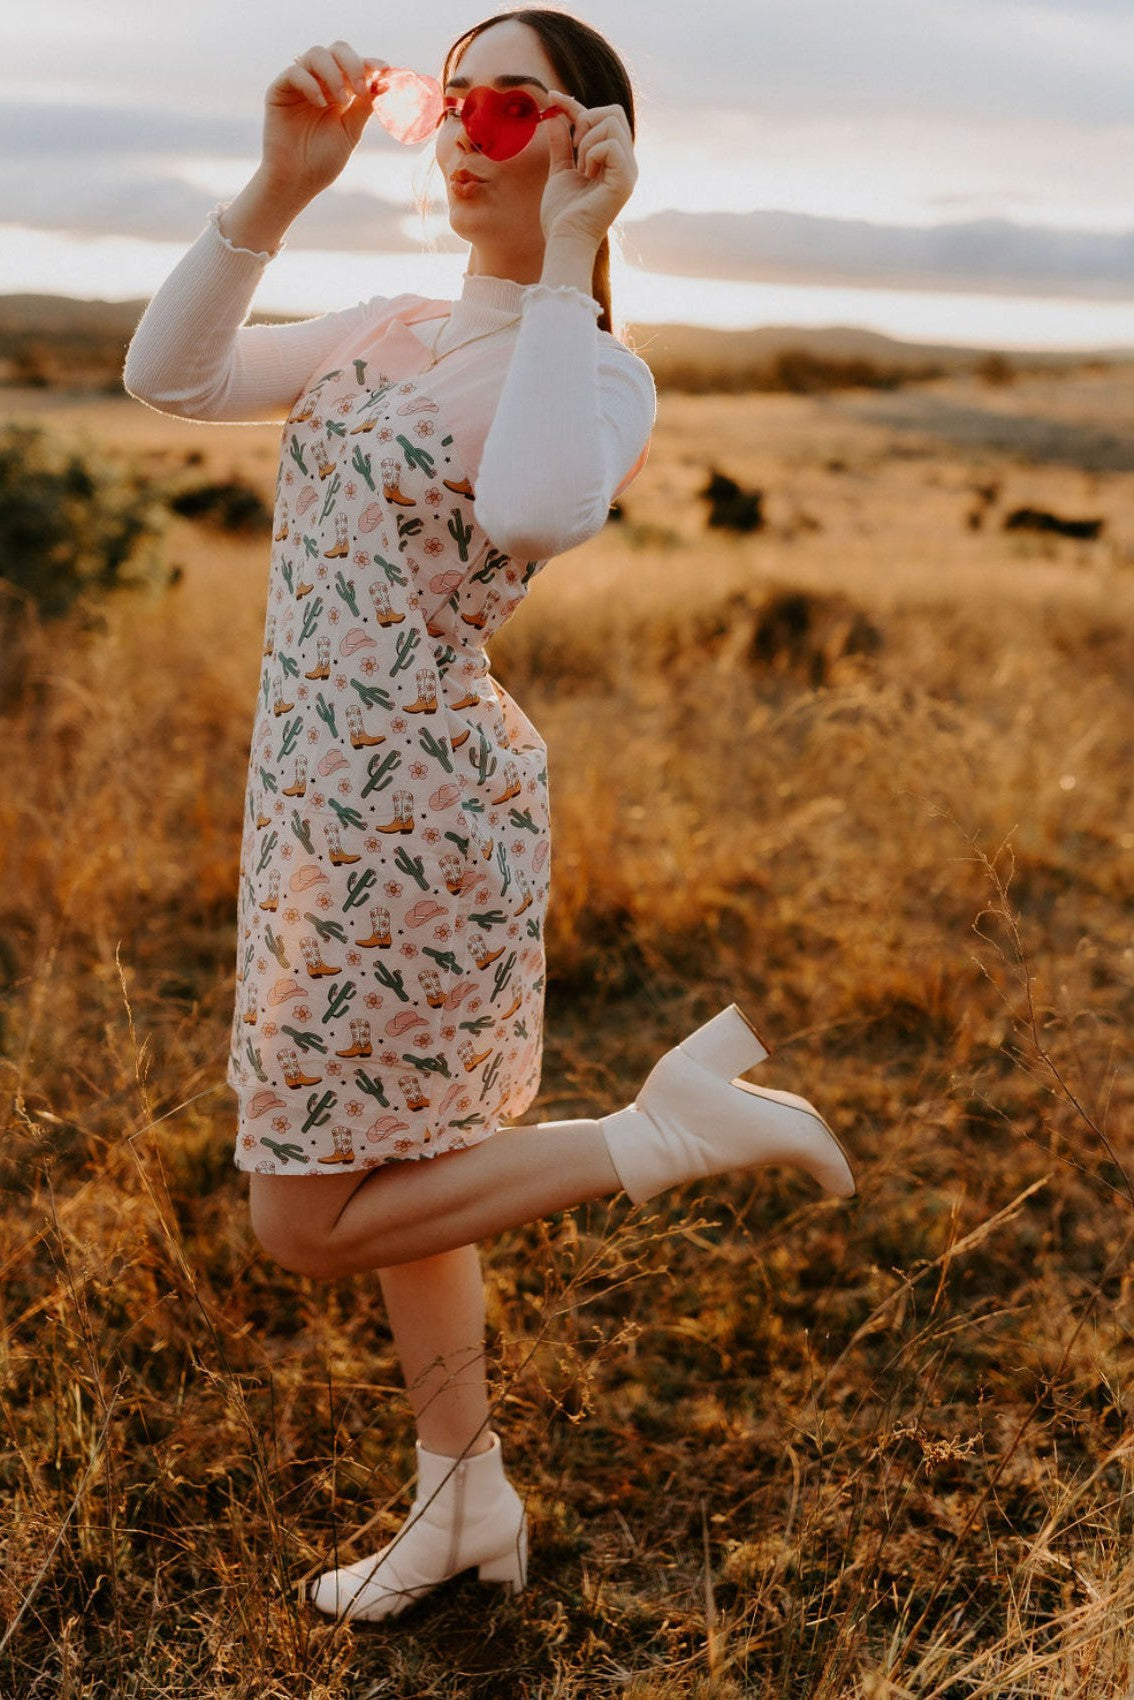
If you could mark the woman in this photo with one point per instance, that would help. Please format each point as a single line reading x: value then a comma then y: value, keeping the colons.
x: 394, y: 863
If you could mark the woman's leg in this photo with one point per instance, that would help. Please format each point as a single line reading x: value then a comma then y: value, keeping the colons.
x: 436, y: 1311
x: 408, y: 1210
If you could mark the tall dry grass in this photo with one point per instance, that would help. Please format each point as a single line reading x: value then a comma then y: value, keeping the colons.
x: 869, y: 774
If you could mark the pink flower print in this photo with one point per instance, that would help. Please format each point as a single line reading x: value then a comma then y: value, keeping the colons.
x: 280, y: 1123
x: 320, y: 571
x: 312, y: 735
x: 418, y: 770
x: 434, y: 497
x: 324, y: 900
x: 303, y: 693
x: 474, y: 1004
x: 517, y: 847
x: 350, y: 490
x: 385, y: 435
x: 424, y: 427
x: 390, y: 1059
x: 361, y: 558
x: 261, y: 965
x: 335, y: 1068
x: 332, y: 616
x: 372, y: 1000
x: 344, y: 407
x: 368, y: 665
x: 514, y: 930
x: 444, y: 931
x: 392, y: 888
x: 433, y: 546
x: 286, y: 851
x: 354, y: 957
x: 344, y: 787
x: 352, y: 1107
x: 289, y: 477
x: 269, y: 1029
x: 248, y: 1140
x: 398, y: 724
x: 340, y: 681
x: 372, y: 844
x: 405, y: 389
x: 431, y: 835
x: 409, y: 950
x: 301, y: 1012
x: 448, y: 1032
x: 318, y: 801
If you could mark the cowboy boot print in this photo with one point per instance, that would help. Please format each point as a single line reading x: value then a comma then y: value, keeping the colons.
x: 403, y: 814
x: 272, y: 900
x: 379, y: 928
x: 335, y: 845
x: 292, y: 1072
x: 511, y: 783
x: 453, y: 874
x: 360, y: 1045
x: 323, y: 462
x: 413, y: 1092
x: 340, y: 548
x: 480, y: 953
x: 480, y: 617
x: 430, y: 982
x: 384, y: 610
x: 471, y: 1058
x: 359, y: 736
x: 426, y: 693
x: 313, y: 957
x: 391, y: 487
x: 280, y: 705
x: 344, y: 1151
x: 322, y: 667
x: 298, y: 786
x: 283, y: 530
x: 270, y: 636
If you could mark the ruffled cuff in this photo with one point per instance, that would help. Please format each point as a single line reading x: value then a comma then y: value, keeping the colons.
x: 534, y: 292
x: 262, y: 255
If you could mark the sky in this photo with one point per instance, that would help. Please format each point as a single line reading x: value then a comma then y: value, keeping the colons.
x: 952, y: 170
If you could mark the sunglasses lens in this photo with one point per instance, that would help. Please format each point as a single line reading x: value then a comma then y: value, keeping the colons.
x: 407, y: 104
x: 500, y: 123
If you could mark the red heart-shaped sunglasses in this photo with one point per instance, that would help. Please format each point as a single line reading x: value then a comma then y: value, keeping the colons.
x: 499, y: 122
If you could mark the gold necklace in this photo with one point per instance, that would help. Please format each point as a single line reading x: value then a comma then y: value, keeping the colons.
x: 480, y: 335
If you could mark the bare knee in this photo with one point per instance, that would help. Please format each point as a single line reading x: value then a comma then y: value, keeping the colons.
x: 293, y: 1217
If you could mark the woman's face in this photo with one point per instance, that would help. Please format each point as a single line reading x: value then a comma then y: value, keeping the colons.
x: 494, y: 204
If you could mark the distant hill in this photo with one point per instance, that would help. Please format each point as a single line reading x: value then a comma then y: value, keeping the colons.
x: 60, y: 341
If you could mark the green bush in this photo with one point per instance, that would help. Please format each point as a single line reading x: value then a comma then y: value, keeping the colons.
x: 67, y: 526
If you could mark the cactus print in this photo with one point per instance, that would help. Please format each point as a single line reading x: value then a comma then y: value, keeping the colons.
x: 394, y: 859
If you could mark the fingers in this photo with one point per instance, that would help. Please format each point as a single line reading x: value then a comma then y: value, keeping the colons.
x: 330, y: 76
x: 601, y: 135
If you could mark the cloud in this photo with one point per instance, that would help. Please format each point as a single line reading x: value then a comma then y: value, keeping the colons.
x: 105, y: 201
x: 991, y: 256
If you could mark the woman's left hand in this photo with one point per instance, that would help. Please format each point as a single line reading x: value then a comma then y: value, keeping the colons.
x: 592, y: 170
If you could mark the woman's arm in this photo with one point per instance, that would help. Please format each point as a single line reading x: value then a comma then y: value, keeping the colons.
x: 573, y: 419
x: 192, y: 354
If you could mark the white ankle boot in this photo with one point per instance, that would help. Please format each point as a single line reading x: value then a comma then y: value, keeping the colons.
x: 692, y: 1118
x: 465, y: 1512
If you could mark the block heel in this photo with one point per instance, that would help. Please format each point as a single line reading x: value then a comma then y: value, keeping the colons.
x: 728, y: 1044
x: 512, y: 1566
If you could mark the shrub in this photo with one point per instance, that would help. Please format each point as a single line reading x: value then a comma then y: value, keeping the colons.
x: 70, y: 531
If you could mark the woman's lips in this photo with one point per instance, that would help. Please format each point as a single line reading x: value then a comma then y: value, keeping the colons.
x: 464, y: 184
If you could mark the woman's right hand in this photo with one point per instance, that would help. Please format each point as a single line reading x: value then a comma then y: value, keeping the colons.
x: 314, y: 114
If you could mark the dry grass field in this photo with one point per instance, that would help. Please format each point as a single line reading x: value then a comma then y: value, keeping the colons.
x: 868, y: 772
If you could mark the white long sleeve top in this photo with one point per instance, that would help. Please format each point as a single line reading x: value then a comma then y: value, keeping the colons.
x: 553, y: 415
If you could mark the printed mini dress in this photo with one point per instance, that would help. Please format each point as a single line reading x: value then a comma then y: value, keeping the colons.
x: 395, y: 852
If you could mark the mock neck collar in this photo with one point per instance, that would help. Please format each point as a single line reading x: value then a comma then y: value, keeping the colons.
x: 484, y: 294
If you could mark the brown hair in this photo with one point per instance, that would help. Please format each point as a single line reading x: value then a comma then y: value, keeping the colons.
x: 587, y: 67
